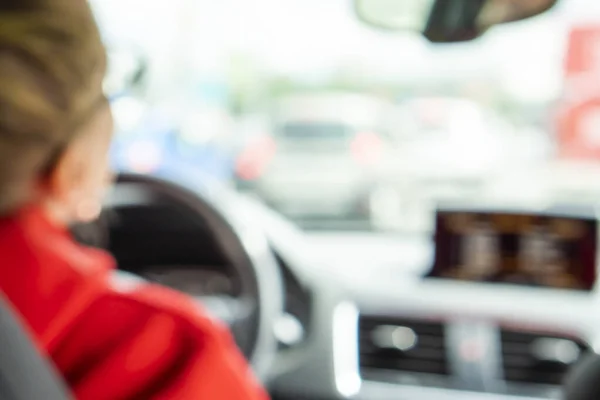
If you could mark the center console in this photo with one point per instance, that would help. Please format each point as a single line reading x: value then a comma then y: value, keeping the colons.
x: 504, y: 311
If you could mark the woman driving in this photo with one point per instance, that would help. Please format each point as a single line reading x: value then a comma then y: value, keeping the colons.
x: 108, y: 341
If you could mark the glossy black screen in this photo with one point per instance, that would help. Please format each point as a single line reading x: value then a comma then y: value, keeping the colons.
x: 522, y: 249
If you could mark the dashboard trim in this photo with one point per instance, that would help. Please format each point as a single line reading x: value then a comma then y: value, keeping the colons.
x: 345, y: 349
x: 471, y: 354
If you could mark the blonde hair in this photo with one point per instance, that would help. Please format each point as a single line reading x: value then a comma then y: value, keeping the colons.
x: 52, y: 62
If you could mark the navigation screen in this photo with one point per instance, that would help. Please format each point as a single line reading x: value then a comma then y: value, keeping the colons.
x: 521, y: 249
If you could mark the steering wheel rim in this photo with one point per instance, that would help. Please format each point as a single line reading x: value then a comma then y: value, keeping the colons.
x: 242, y: 241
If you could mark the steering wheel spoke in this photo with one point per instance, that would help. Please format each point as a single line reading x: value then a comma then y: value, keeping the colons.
x: 227, y: 309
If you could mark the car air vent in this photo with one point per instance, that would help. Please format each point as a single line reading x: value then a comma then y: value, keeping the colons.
x: 537, y: 357
x: 402, y: 345
x: 293, y: 327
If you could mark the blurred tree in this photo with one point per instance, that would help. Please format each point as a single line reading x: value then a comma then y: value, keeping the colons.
x: 247, y: 82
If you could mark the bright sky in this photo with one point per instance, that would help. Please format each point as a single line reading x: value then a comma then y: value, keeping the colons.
x: 307, y: 37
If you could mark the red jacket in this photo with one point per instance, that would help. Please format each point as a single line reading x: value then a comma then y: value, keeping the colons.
x: 112, y: 341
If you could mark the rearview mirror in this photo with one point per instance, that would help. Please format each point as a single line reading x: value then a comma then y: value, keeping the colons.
x: 446, y: 21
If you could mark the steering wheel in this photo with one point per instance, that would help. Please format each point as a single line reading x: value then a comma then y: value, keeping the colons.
x: 252, y: 313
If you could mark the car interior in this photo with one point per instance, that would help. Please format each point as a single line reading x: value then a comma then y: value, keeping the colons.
x: 459, y: 331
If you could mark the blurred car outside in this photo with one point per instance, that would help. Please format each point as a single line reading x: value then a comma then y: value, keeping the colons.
x: 151, y: 140
x: 251, y: 131
x: 453, y: 149
x: 323, y: 156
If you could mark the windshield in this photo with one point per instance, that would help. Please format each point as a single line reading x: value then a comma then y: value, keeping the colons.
x: 337, y: 126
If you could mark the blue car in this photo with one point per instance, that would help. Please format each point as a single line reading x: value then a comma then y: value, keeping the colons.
x: 155, y: 146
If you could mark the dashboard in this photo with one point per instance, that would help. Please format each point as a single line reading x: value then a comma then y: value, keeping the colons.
x: 364, y: 331
x: 396, y: 332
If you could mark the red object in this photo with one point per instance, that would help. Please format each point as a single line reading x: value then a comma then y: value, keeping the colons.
x: 253, y: 161
x: 111, y: 341
x: 579, y: 122
x: 579, y: 130
x: 583, y: 52
x: 366, y: 148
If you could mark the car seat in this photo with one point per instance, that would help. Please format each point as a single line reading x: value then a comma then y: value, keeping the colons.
x: 24, y: 373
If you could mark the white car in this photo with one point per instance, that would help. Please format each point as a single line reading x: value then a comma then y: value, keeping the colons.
x: 450, y: 149
x: 327, y: 153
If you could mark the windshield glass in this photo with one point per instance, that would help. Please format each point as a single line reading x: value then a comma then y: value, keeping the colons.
x: 338, y: 126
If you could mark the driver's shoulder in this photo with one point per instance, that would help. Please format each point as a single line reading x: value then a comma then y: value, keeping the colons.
x: 147, y: 333
x: 152, y: 300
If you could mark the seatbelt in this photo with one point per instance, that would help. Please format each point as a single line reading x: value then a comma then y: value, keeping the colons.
x: 24, y: 373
